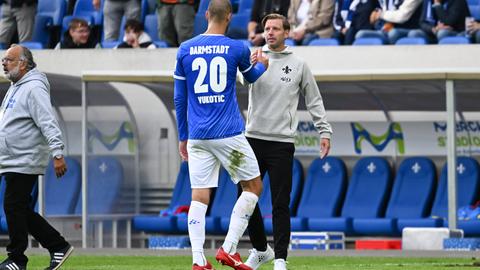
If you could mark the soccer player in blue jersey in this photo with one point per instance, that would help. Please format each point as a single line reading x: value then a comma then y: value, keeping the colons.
x: 210, y: 129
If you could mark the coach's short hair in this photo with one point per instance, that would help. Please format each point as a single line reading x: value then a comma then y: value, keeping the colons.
x: 219, y: 9
x: 275, y: 16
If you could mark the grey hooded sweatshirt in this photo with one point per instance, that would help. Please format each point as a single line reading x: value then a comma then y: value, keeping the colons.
x: 28, y: 127
x: 273, y: 99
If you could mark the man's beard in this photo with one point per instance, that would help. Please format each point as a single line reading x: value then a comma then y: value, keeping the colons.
x: 13, y: 74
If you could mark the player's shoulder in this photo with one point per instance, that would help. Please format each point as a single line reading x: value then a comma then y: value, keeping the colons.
x: 189, y: 43
x: 238, y: 48
x: 240, y: 44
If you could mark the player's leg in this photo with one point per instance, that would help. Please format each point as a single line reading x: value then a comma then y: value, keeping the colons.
x: 203, y: 171
x: 238, y: 158
x: 256, y: 229
x: 241, y: 212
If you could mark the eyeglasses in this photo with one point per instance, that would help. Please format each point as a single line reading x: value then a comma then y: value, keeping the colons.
x: 82, y: 30
x: 10, y: 60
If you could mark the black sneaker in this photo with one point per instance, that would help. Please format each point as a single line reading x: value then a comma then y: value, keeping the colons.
x: 57, y: 258
x: 11, y: 265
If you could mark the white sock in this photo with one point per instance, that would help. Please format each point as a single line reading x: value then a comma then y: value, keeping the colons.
x: 241, y: 213
x: 196, y: 231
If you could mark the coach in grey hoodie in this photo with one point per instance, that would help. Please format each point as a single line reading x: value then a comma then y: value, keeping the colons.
x: 28, y: 133
x: 271, y: 128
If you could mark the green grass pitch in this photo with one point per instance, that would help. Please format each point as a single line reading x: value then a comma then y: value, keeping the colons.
x: 83, y: 262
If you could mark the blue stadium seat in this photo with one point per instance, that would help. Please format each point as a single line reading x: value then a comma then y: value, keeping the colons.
x: 160, y: 44
x: 367, y: 42
x: 454, y: 40
x: 202, y: 7
x: 411, y: 198
x: 411, y: 41
x: 152, y: 6
x: 366, y: 196
x: 468, y: 172
x: 32, y: 45
x: 62, y: 194
x: 105, y: 179
x: 238, y: 26
x: 182, y: 195
x: 200, y: 25
x: 151, y: 28
x: 289, y: 42
x: 475, y: 10
x: 55, y: 9
x: 41, y: 32
x: 470, y: 227
x: 324, y: 42
x: 323, y: 192
x: 121, y: 33
x: 245, y: 6
x: 468, y: 185
x: 265, y: 200
x: 109, y: 44
x: 144, y: 10
x: 85, y: 8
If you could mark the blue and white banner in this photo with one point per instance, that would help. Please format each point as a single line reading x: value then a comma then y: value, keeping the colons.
x: 104, y: 138
x: 389, y: 139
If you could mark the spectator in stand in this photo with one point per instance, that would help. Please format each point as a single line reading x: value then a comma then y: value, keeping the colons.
x: 77, y: 36
x: 19, y: 16
x: 451, y: 16
x: 473, y: 30
x: 135, y: 37
x: 113, y: 11
x: 340, y: 19
x: 260, y: 9
x: 393, y: 20
x: 176, y: 19
x: 351, y: 17
x: 427, y: 22
x: 311, y: 19
x: 448, y: 19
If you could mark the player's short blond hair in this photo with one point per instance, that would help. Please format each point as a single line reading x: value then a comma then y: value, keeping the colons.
x: 219, y: 9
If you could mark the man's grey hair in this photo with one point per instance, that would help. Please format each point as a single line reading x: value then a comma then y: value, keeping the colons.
x: 26, y: 56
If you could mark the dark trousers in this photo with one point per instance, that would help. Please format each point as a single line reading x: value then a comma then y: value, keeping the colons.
x: 21, y: 219
x: 276, y: 158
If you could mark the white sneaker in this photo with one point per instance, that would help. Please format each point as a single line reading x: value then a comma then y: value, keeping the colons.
x: 257, y: 258
x: 280, y: 264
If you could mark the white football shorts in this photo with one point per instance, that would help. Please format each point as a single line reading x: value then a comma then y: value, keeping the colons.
x: 233, y: 153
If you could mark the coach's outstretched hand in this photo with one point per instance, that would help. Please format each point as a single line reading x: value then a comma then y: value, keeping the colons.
x: 259, y: 56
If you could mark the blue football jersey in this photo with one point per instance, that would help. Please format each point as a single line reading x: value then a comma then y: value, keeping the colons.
x: 205, y: 86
